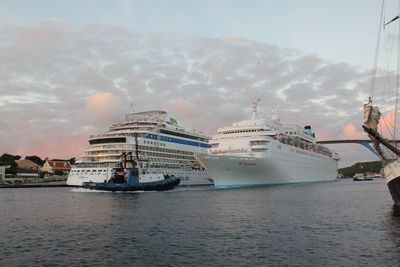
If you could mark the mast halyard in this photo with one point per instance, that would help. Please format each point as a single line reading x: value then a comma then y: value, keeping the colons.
x: 397, y: 73
x: 390, y: 162
x: 372, y: 113
x: 397, y: 79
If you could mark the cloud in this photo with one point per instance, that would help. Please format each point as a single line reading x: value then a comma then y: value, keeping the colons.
x: 351, y: 132
x: 386, y: 123
x: 184, y: 108
x: 235, y: 38
x: 103, y: 108
x: 56, y: 80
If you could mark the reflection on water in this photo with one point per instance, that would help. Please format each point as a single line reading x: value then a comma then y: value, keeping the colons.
x: 341, y: 223
x: 395, y: 211
x: 392, y: 233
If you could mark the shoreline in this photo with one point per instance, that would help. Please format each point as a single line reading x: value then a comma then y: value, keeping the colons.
x: 36, y: 185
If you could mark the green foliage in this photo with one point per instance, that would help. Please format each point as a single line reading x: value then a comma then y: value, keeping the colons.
x: 35, y: 159
x: 7, y: 159
x: 72, y: 161
x: 58, y: 172
x: 12, y: 169
x: 361, y: 167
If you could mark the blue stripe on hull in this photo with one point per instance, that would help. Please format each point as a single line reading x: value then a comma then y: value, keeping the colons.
x: 176, y: 140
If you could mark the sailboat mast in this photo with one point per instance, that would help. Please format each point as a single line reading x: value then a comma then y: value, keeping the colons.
x: 374, y: 70
x: 397, y: 78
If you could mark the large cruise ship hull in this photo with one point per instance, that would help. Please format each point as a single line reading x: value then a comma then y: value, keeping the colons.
x: 231, y: 171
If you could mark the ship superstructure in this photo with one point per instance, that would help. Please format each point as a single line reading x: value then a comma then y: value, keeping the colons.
x: 156, y: 138
x: 263, y: 150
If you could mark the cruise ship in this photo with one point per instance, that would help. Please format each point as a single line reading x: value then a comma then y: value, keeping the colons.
x: 262, y: 150
x: 156, y: 138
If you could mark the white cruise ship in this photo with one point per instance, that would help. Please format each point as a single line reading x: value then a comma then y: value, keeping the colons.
x: 155, y: 137
x: 263, y: 151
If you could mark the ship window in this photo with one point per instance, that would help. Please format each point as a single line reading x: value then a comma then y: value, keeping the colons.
x: 108, y: 140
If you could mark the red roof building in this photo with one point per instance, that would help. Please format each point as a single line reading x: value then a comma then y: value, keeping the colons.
x: 52, y: 165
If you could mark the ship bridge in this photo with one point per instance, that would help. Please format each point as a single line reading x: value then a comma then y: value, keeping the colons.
x: 364, y: 142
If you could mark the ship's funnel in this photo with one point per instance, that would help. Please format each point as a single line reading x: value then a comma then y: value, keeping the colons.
x: 308, y: 131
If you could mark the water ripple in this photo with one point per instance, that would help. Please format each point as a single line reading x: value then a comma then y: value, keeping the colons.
x: 342, y: 223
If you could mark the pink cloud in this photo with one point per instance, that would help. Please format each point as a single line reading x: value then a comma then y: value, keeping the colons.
x: 104, y: 108
x: 236, y: 39
x: 21, y: 151
x: 183, y: 108
x: 386, y: 123
x: 351, y: 132
x: 55, y: 148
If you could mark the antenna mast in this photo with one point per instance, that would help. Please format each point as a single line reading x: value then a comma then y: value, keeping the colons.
x: 254, y: 108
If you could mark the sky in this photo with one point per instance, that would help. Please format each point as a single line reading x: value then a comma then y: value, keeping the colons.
x: 336, y: 30
x: 68, y: 69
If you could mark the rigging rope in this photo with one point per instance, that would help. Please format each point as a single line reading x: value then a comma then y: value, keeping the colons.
x: 397, y: 81
x: 374, y: 70
x: 389, y: 47
x: 387, y: 127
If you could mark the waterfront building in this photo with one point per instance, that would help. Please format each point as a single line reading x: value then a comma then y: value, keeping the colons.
x: 26, y: 164
x: 3, y: 173
x: 50, y: 166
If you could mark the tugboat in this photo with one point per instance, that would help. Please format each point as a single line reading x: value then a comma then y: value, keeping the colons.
x: 132, y: 176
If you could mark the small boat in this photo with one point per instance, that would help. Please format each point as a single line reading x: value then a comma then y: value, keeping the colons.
x: 134, y: 178
x: 362, y: 177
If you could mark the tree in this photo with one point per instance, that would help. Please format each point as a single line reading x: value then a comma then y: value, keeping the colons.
x: 35, y: 159
x: 58, y: 172
x: 72, y: 161
x: 8, y: 159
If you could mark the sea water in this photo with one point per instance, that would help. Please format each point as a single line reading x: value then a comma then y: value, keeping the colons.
x: 341, y: 223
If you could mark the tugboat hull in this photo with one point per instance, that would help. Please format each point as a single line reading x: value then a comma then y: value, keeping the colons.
x: 162, y: 185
